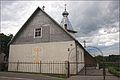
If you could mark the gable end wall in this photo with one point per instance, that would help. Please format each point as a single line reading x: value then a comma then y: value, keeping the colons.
x: 51, y: 32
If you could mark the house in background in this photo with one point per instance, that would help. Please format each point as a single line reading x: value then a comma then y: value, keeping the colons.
x: 41, y: 38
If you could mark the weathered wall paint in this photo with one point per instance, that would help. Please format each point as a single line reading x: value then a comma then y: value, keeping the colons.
x: 51, y: 32
x: 52, y: 51
x: 53, y: 45
x: 80, y: 57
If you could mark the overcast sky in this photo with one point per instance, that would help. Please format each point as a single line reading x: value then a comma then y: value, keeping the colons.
x: 97, y: 22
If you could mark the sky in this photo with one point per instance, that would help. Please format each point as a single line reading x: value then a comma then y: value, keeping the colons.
x: 97, y: 22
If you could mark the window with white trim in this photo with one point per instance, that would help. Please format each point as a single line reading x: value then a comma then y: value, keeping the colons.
x: 38, y: 32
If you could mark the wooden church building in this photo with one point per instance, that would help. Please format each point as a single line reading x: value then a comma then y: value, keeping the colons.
x: 41, y: 38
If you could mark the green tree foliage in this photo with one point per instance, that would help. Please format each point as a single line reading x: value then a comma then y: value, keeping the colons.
x: 113, y: 58
x: 110, y: 58
x: 4, y: 40
x: 99, y: 58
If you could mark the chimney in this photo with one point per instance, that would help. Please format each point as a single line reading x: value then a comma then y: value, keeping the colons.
x: 65, y: 26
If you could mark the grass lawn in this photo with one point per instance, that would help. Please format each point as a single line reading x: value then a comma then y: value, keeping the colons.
x: 115, y: 71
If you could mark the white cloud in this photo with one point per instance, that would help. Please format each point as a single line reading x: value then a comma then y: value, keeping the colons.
x: 14, y: 14
x: 8, y: 29
x: 109, y: 43
x: 96, y: 21
x: 102, y: 31
x: 101, y: 39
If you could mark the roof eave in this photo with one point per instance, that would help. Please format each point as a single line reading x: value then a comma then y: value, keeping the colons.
x: 23, y: 26
x: 72, y: 31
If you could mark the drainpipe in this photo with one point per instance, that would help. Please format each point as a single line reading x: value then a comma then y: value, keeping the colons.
x: 76, y: 61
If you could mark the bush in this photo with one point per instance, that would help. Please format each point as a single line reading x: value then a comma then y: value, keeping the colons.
x: 3, y: 67
x: 114, y: 71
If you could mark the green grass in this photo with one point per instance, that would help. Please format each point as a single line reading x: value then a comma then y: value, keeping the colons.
x: 56, y: 75
x: 45, y: 74
x: 115, y: 71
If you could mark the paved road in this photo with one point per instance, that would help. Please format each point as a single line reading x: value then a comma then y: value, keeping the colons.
x: 93, y: 74
x: 78, y: 77
x: 25, y: 76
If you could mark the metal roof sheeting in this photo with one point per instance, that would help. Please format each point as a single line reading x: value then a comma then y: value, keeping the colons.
x: 64, y: 21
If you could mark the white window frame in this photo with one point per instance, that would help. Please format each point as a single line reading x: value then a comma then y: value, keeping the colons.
x: 41, y: 33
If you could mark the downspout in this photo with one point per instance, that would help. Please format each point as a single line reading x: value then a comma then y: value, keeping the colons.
x: 76, y: 61
x: 84, y: 52
x: 85, y: 61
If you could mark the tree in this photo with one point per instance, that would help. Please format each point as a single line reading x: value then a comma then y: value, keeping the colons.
x: 4, y: 40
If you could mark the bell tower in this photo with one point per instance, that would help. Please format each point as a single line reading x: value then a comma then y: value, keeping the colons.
x: 65, y: 23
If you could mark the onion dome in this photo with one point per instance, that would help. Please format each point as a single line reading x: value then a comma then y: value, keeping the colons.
x: 65, y: 13
x: 65, y: 23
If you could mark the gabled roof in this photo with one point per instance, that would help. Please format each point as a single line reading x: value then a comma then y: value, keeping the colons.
x: 53, y: 21
x: 86, y: 52
x: 50, y: 18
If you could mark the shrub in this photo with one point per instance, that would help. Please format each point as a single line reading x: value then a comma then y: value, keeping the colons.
x: 114, y: 71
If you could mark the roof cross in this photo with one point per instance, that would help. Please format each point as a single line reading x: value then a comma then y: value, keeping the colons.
x: 43, y: 7
x: 65, y: 6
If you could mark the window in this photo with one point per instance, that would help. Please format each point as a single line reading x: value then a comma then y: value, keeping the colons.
x: 78, y: 55
x: 38, y: 32
x: 81, y: 56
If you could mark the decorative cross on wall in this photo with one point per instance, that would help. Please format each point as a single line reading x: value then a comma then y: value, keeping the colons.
x: 37, y: 58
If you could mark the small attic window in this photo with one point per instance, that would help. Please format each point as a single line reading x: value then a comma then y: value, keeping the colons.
x: 37, y: 32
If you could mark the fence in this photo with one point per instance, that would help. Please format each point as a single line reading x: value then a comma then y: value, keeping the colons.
x: 41, y: 67
x: 68, y: 68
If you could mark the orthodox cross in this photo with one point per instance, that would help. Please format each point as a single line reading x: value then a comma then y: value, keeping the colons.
x: 37, y: 50
x: 65, y: 6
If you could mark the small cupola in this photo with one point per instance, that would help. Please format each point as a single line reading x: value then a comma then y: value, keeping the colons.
x: 65, y: 23
x: 65, y: 13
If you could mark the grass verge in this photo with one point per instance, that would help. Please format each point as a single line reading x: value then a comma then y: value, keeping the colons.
x: 114, y: 71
